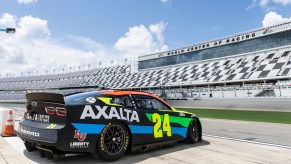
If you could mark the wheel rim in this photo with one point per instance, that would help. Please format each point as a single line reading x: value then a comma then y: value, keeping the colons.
x: 114, y: 139
x: 195, y: 131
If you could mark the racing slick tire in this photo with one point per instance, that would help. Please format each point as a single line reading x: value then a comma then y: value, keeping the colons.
x: 113, y: 142
x: 192, y: 133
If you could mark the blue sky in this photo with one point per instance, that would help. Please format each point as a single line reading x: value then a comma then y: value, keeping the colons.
x: 72, y: 33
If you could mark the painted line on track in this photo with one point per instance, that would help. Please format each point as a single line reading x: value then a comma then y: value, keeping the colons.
x: 253, y: 142
x: 228, y: 121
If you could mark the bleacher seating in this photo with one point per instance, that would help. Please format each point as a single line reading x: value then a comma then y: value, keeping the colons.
x: 73, y: 79
x: 264, y: 65
x: 249, y: 67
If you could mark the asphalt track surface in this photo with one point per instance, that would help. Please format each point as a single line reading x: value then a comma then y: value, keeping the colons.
x: 271, y: 133
x: 212, y: 150
x: 225, y: 141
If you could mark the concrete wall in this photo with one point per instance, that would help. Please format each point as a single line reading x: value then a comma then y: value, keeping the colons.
x: 278, y: 104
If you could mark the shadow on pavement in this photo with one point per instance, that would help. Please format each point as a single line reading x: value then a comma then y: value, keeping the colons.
x: 128, y: 158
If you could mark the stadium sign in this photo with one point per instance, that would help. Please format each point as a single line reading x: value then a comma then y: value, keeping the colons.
x: 223, y: 41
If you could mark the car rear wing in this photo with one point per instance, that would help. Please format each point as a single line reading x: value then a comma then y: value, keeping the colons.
x: 46, y: 97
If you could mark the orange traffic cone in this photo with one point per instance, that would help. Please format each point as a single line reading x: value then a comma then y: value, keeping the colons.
x: 8, y: 130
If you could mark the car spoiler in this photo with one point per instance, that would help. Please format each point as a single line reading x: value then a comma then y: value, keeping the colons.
x: 46, y: 97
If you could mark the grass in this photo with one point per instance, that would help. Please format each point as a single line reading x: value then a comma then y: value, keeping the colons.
x: 259, y: 116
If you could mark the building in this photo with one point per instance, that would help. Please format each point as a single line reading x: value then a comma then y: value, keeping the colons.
x: 257, y: 60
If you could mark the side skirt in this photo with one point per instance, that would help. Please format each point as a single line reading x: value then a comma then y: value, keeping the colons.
x: 147, y: 147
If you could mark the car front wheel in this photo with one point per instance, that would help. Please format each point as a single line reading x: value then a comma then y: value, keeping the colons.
x: 193, y: 132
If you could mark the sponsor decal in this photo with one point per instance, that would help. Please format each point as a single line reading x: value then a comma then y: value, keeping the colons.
x: 267, y: 31
x: 157, y: 130
x: 107, y: 101
x: 183, y: 121
x: 102, y: 144
x: 80, y: 145
x: 114, y: 112
x: 126, y: 141
x: 27, y: 132
x: 90, y: 99
x: 34, y: 103
x: 51, y: 126
x: 38, y: 117
x: 162, y: 125
x: 80, y: 136
x: 181, y: 114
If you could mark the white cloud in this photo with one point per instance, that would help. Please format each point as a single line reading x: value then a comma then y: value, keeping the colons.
x: 268, y: 4
x: 32, y: 48
x: 264, y: 3
x: 272, y: 18
x: 32, y: 28
x: 282, y: 2
x: 216, y: 27
x: 25, y: 2
x: 7, y: 20
x: 140, y: 40
x: 166, y: 2
x: 253, y: 4
x: 261, y: 3
x: 158, y: 29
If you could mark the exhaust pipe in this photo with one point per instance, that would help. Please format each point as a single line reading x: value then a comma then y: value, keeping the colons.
x: 41, y: 153
x: 49, y: 154
x: 143, y: 149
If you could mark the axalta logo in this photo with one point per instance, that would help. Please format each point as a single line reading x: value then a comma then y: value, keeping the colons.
x: 119, y: 113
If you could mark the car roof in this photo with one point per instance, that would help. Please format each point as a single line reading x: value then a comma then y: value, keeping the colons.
x: 122, y: 93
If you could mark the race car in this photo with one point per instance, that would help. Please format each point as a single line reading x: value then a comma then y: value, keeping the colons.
x: 104, y: 123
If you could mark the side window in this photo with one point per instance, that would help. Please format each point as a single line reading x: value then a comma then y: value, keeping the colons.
x: 161, y: 106
x: 122, y: 100
x: 147, y: 102
x: 142, y: 102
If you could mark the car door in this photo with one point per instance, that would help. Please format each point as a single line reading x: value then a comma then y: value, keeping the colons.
x: 158, y: 122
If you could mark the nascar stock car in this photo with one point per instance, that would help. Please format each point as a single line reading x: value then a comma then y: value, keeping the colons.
x: 104, y: 123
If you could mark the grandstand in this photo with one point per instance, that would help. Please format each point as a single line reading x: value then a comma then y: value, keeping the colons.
x: 252, y: 64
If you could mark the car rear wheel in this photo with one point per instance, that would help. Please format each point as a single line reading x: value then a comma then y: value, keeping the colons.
x: 193, y: 132
x: 113, y: 142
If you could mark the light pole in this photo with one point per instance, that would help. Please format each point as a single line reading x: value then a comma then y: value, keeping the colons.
x: 100, y: 64
x: 9, y: 30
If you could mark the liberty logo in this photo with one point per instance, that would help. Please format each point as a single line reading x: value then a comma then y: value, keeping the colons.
x: 80, y: 136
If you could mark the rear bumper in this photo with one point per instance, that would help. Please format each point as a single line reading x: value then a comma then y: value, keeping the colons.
x: 40, y: 133
x: 37, y: 135
x: 59, y: 138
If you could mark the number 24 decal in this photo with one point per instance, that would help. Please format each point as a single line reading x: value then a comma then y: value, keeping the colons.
x: 158, y: 132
